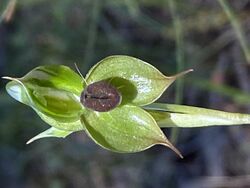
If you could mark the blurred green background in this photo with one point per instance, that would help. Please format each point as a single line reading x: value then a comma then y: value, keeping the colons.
x: 210, y: 36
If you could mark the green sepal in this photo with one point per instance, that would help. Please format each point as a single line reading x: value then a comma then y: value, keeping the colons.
x: 171, y: 115
x: 53, y: 92
x: 125, y: 129
x: 51, y: 132
x: 139, y: 82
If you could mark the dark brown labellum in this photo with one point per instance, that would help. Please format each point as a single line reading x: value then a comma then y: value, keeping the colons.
x: 100, y: 96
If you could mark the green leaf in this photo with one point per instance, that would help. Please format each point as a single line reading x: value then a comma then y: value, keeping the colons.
x: 139, y: 82
x: 125, y: 129
x: 52, y: 95
x: 171, y: 115
x: 51, y: 132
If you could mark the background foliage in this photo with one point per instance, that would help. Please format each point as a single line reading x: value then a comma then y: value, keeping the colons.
x: 210, y: 36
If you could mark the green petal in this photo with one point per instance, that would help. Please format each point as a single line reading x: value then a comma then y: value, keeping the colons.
x: 55, y: 76
x: 170, y: 115
x: 68, y: 118
x: 51, y: 132
x: 125, y: 129
x: 139, y: 82
x: 52, y: 95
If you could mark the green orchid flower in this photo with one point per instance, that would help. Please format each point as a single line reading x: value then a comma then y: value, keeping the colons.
x: 113, y: 104
x: 55, y: 92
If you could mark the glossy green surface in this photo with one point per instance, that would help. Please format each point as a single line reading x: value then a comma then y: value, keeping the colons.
x: 52, y: 92
x: 139, y: 82
x: 124, y: 129
x: 171, y: 115
x: 51, y: 132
